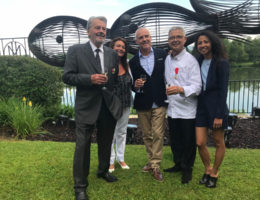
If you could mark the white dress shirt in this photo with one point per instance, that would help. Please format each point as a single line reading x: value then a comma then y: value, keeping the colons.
x: 101, y: 54
x: 183, y: 105
x: 147, y: 62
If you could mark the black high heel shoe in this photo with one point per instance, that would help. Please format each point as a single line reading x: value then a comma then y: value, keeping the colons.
x: 212, y: 182
x: 204, y: 179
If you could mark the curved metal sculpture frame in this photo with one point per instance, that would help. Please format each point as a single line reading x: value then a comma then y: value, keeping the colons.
x: 50, y: 39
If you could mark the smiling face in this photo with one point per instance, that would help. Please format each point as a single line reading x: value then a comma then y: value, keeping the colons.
x: 144, y: 39
x: 119, y: 47
x: 176, y: 41
x: 97, y: 32
x: 204, y: 46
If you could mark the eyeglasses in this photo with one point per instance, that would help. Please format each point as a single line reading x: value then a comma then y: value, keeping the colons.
x: 177, y: 37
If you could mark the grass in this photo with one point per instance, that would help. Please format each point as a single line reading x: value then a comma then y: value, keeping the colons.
x: 43, y: 171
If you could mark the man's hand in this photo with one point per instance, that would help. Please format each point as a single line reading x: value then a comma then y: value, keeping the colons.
x: 98, y: 79
x: 174, y: 90
x: 139, y: 83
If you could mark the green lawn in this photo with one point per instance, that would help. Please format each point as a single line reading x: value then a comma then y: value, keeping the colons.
x: 43, y: 170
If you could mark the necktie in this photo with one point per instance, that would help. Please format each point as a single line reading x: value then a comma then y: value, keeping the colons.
x: 98, y: 59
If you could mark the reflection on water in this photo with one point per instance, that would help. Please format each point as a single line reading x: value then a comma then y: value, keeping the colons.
x: 245, y: 73
x: 243, y: 96
x: 69, y: 95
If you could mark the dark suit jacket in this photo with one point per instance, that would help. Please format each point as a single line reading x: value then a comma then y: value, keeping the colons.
x: 79, y: 66
x: 216, y: 88
x: 154, y: 88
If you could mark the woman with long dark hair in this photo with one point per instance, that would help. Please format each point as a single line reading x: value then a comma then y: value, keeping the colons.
x: 123, y: 91
x: 212, y: 111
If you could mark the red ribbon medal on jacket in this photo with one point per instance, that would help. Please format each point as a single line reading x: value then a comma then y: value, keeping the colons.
x: 176, y: 72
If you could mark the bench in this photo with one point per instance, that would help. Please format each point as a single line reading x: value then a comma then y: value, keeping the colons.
x: 255, y: 112
x: 62, y: 120
x: 232, y: 120
x: 131, y: 131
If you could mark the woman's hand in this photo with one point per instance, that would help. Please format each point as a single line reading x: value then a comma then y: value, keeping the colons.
x: 217, y: 123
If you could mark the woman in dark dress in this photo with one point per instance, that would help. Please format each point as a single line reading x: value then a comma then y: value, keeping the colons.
x: 124, y: 93
x: 212, y: 111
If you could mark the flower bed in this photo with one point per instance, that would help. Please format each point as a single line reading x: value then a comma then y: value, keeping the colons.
x: 245, y: 134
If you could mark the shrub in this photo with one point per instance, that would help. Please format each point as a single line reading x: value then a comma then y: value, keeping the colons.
x: 24, y: 76
x: 67, y: 110
x: 4, y: 119
x: 256, y: 64
x: 132, y: 111
x: 22, y: 116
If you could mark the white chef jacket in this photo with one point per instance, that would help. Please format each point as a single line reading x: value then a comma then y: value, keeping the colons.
x: 183, y: 106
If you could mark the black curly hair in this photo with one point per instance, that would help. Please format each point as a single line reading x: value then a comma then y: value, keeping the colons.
x: 217, y: 48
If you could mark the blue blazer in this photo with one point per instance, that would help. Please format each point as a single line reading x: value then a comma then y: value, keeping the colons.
x: 154, y: 88
x: 215, y: 95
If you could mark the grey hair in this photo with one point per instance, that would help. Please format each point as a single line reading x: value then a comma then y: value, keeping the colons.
x: 140, y: 29
x: 90, y: 20
x: 177, y: 28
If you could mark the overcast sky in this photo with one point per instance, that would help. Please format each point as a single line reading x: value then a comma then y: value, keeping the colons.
x: 19, y: 17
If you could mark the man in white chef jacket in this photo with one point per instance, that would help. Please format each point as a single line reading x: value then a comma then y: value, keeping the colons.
x: 183, y: 82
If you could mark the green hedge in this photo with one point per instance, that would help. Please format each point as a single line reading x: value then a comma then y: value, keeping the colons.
x: 23, y: 76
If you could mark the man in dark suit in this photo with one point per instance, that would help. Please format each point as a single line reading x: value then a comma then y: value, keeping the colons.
x: 150, y: 98
x: 96, y: 104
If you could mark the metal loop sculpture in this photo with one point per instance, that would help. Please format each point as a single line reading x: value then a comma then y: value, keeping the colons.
x: 50, y: 39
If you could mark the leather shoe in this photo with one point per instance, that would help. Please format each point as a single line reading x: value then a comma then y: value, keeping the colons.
x: 147, y: 168
x: 186, y: 176
x: 157, y: 174
x: 175, y: 168
x: 81, y: 195
x: 108, y: 177
x: 204, y: 179
x: 212, y: 182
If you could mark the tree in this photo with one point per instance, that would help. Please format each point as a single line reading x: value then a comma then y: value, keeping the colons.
x: 237, y: 52
x: 253, y: 50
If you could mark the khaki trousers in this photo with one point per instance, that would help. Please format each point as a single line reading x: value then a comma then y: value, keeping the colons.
x: 152, y: 124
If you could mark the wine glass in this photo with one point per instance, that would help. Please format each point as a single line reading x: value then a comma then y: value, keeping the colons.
x: 143, y: 77
x: 166, y: 86
x: 105, y: 73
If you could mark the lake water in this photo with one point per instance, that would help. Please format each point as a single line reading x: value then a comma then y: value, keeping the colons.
x: 243, y: 95
x: 241, y: 74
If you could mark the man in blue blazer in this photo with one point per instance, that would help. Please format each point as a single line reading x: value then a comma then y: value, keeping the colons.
x: 95, y: 105
x: 150, y: 98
